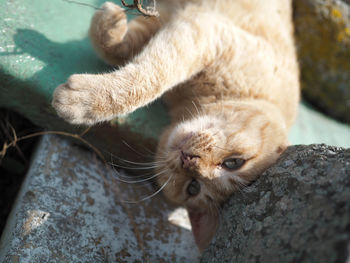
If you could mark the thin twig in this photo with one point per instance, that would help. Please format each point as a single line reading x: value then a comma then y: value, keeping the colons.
x: 79, y: 3
x: 75, y: 136
x: 138, y: 5
x: 6, y: 132
x: 127, y: 5
x: 85, y: 131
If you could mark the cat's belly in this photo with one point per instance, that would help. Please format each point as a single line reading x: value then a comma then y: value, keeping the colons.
x: 207, y: 88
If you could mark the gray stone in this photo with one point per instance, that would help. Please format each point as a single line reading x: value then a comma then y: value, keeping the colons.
x: 322, y: 31
x: 71, y: 209
x: 297, y: 211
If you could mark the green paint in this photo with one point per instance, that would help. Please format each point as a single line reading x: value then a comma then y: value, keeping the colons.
x: 314, y: 127
x: 41, y: 44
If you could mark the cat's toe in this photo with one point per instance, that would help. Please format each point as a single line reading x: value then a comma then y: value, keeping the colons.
x: 110, y: 7
x: 75, y: 101
x: 68, y: 105
x: 109, y: 25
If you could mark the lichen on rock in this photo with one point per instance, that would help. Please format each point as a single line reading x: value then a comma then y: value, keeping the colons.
x: 297, y: 211
x: 322, y: 31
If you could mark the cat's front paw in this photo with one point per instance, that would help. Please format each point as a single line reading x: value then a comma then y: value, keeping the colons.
x: 83, y: 99
x: 108, y: 25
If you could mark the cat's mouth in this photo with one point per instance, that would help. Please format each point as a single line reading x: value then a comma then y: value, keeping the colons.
x: 188, y: 161
x: 204, y: 224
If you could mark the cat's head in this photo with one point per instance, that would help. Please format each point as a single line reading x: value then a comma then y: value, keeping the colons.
x: 207, y: 158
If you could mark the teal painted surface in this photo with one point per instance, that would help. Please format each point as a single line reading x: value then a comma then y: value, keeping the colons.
x: 43, y: 42
x: 314, y: 127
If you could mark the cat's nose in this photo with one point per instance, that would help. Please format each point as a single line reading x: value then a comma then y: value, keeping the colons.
x: 189, y: 161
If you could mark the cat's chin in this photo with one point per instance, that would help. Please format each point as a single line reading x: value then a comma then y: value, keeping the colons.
x: 204, y: 224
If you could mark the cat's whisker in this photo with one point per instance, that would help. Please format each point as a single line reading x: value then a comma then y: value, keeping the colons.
x: 193, y: 117
x: 199, y: 114
x: 112, y: 157
x: 194, y: 104
x: 141, y: 185
x: 142, y: 163
x: 135, y: 168
x: 240, y: 186
x: 196, y: 96
x: 127, y: 177
x: 150, y: 196
x: 141, y: 180
x: 163, y: 155
x: 240, y: 181
x: 134, y: 150
x: 148, y: 150
x: 147, y: 164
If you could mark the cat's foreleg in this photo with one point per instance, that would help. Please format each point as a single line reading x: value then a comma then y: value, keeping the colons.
x: 116, y: 40
x: 178, y: 52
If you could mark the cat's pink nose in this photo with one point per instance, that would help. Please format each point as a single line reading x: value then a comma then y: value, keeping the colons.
x: 188, y: 160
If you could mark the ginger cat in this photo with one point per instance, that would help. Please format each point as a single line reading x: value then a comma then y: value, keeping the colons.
x: 229, y: 75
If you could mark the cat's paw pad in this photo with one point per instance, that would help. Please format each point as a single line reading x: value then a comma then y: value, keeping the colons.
x: 81, y: 101
x: 108, y: 25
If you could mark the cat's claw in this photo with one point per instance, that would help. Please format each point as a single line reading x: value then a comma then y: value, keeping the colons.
x: 81, y: 100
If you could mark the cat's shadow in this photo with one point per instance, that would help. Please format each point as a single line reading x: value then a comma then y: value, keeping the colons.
x: 60, y: 59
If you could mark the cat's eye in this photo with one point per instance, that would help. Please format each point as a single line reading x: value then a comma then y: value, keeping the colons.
x: 193, y: 188
x: 233, y: 163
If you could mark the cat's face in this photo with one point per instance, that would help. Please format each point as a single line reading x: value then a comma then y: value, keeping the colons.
x: 205, y: 159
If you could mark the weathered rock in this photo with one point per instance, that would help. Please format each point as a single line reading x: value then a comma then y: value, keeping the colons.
x: 297, y: 211
x: 322, y: 29
x: 71, y: 208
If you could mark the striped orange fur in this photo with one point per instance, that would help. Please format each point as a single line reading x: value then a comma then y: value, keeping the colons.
x: 228, y: 72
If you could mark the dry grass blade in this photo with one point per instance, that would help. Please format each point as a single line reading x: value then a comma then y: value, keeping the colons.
x: 80, y: 3
x: 16, y: 139
x: 4, y: 128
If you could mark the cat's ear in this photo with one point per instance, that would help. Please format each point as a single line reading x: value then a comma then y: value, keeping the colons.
x: 204, y: 224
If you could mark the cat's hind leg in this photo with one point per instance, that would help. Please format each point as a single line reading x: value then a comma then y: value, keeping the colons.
x: 116, y: 40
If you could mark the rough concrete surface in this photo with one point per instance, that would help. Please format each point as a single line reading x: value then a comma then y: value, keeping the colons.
x: 71, y: 209
x: 297, y: 211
